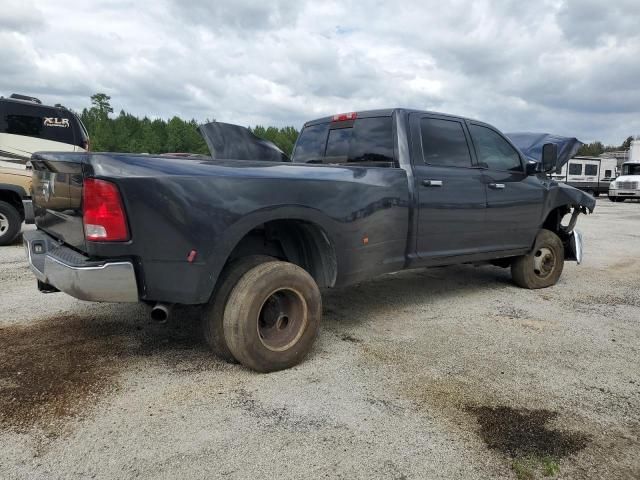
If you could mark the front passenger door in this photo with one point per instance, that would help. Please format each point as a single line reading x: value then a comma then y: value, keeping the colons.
x: 514, y: 199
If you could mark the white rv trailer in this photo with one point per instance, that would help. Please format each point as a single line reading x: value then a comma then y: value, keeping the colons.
x: 591, y: 174
x: 27, y: 126
x: 627, y: 185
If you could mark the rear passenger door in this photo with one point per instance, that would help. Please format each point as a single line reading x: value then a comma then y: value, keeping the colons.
x: 514, y: 199
x: 449, y: 188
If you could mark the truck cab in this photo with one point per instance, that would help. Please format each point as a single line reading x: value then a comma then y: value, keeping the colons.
x: 627, y: 185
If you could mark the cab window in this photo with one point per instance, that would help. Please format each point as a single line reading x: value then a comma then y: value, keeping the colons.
x: 364, y: 140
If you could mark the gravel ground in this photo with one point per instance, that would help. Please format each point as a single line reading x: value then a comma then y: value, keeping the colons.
x: 442, y: 373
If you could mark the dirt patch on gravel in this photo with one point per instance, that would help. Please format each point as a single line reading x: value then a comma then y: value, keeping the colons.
x: 521, y: 432
x: 57, y: 368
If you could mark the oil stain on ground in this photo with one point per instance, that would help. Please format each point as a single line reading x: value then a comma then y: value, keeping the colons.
x: 59, y: 367
x: 521, y: 432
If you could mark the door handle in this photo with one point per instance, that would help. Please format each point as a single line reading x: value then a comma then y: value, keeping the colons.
x: 497, y: 186
x: 432, y: 183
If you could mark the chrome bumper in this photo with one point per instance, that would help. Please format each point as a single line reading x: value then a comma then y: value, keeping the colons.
x: 76, y: 275
x: 624, y: 193
x: 575, y: 247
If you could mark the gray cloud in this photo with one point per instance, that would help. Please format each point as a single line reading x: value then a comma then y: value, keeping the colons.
x: 563, y: 66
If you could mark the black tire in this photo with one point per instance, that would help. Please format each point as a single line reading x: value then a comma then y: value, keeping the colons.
x: 613, y: 199
x: 10, y: 223
x: 273, y: 316
x: 596, y: 194
x: 213, y: 313
x: 541, y: 267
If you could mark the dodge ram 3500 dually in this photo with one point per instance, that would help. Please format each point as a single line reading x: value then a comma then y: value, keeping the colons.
x: 253, y: 237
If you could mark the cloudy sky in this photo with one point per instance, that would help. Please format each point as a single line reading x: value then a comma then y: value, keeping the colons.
x: 565, y: 66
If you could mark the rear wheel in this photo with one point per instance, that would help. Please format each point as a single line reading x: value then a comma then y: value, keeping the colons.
x: 10, y: 222
x: 213, y: 313
x: 272, y: 316
x: 541, y: 267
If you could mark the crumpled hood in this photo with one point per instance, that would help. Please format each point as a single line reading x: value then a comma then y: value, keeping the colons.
x: 531, y: 145
x: 233, y: 142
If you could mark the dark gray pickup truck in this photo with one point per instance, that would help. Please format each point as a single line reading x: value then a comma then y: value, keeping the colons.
x: 253, y: 237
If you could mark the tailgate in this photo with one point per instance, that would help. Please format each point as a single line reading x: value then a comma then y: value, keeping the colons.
x: 57, y: 196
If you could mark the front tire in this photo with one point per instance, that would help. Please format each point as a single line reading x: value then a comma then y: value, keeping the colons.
x: 10, y: 223
x: 541, y: 267
x: 273, y: 316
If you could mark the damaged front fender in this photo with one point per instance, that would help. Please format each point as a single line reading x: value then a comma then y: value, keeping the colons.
x: 562, y: 194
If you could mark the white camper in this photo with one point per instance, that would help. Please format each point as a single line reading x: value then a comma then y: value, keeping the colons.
x: 591, y: 174
x: 627, y: 185
x: 27, y: 126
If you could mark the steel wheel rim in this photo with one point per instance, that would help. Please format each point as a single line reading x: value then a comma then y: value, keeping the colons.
x: 282, y: 319
x: 4, y: 224
x: 544, y: 262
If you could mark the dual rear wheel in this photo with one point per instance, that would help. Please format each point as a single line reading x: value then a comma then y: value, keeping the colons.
x: 265, y: 314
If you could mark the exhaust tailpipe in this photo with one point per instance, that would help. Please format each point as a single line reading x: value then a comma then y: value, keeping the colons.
x: 160, y: 312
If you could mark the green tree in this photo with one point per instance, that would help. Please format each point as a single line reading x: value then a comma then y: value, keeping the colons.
x: 592, y: 149
x: 101, y: 104
x: 128, y: 133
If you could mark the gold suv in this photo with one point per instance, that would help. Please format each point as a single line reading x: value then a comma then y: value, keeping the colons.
x: 15, y: 200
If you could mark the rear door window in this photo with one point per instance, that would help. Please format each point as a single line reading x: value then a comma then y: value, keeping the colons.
x: 444, y: 143
x: 365, y: 140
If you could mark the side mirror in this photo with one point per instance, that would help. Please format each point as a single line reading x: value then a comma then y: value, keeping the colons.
x: 549, y: 156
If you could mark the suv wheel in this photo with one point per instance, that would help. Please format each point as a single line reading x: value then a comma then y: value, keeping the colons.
x: 213, y: 313
x: 272, y: 316
x: 541, y: 267
x: 10, y: 222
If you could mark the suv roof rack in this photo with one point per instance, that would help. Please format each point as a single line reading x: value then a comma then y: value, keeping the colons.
x: 17, y: 96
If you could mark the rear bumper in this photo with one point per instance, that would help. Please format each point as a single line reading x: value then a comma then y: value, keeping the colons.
x: 76, y: 275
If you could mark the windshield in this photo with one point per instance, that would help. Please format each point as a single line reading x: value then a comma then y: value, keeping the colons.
x: 631, y: 169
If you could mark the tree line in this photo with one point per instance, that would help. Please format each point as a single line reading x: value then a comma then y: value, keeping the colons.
x: 128, y: 133
x: 596, y: 148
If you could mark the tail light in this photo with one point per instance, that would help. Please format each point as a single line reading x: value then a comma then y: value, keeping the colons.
x: 103, y: 214
x: 86, y: 145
